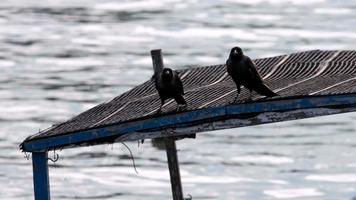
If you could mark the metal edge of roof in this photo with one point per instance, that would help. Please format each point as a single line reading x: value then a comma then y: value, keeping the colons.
x: 236, y: 122
x: 179, y: 119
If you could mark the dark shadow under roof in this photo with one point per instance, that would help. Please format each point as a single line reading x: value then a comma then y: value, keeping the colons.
x: 296, y: 76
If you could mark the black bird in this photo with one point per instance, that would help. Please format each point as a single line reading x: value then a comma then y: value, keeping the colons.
x: 243, y: 71
x: 169, y: 85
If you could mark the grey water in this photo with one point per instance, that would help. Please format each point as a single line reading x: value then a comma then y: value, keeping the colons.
x: 61, y: 57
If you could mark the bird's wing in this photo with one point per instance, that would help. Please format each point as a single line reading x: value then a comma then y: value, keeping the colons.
x: 229, y: 67
x: 228, y: 61
x: 179, y: 84
x: 252, y: 68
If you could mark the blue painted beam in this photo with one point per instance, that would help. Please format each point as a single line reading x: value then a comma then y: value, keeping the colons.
x: 40, y: 176
x: 216, y: 114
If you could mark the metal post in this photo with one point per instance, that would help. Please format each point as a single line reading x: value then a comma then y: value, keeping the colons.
x: 157, y: 61
x: 40, y: 176
x: 170, y: 143
x: 173, y: 166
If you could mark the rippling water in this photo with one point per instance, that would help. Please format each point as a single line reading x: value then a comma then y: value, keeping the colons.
x: 59, y: 58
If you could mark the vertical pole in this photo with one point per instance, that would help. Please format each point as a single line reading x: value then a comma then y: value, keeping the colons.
x: 173, y: 165
x: 157, y: 61
x: 170, y: 143
x: 40, y: 176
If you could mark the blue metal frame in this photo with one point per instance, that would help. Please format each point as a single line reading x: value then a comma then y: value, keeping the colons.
x: 40, y: 175
x: 188, y: 117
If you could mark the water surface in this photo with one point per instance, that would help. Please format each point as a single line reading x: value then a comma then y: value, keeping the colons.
x: 59, y: 58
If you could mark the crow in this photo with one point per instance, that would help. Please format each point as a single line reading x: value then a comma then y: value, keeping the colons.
x: 169, y: 85
x: 243, y: 72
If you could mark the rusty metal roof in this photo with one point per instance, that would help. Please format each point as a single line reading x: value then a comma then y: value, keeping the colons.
x: 306, y: 74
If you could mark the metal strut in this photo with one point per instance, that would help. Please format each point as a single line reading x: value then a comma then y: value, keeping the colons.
x: 173, y: 165
x: 40, y: 175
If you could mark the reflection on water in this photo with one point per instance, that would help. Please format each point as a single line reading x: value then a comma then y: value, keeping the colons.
x: 59, y: 58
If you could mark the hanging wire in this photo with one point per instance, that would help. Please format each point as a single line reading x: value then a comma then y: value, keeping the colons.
x: 27, y: 155
x: 189, y: 197
x: 55, y: 157
x: 133, y: 160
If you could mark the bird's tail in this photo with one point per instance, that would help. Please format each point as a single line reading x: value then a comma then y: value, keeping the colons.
x: 264, y: 90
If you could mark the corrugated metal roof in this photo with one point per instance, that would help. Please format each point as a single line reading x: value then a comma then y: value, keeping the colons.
x: 315, y: 73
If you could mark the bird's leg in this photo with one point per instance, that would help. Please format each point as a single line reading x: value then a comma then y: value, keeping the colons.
x: 249, y: 97
x: 181, y: 107
x: 160, y: 107
x: 185, y: 106
x: 237, y: 93
x: 236, y: 97
x: 181, y: 103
